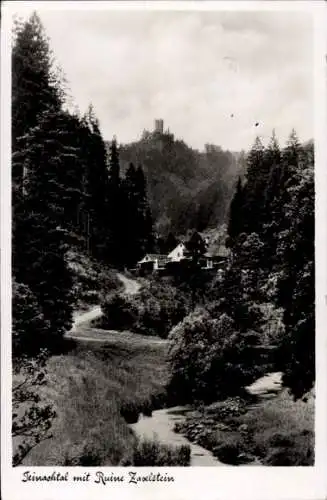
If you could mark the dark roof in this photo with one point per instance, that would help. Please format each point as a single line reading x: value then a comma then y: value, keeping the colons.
x: 155, y: 256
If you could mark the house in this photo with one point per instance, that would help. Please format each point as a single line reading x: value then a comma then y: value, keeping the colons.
x: 183, y: 252
x: 178, y: 254
x: 217, y: 259
x: 152, y: 262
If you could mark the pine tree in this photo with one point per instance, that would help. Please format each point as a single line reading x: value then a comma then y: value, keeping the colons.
x: 41, y: 238
x: 272, y: 206
x: 144, y: 218
x: 139, y: 237
x: 296, y: 281
x: 253, y: 190
x: 35, y: 87
x: 44, y: 180
x: 96, y: 182
x: 115, y: 208
x: 235, y: 223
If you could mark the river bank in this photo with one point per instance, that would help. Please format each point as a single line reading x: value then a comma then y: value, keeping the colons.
x: 266, y: 427
x: 160, y: 426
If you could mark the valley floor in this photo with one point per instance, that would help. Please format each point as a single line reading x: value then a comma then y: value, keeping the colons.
x: 91, y: 384
x: 108, y: 371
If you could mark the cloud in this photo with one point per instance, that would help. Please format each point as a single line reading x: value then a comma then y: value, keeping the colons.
x: 194, y: 69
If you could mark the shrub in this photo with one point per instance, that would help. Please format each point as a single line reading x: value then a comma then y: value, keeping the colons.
x: 119, y: 312
x: 209, y: 359
x: 227, y: 453
x: 154, y: 311
x: 146, y: 408
x: 295, y: 449
x: 150, y: 453
x: 32, y: 416
x: 29, y: 328
x: 160, y: 306
x: 130, y: 412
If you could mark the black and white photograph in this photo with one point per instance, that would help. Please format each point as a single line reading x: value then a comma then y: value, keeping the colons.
x: 162, y: 239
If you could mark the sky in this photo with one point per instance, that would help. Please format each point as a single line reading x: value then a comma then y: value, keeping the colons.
x: 210, y: 75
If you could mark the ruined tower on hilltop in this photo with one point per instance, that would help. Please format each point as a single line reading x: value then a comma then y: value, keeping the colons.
x: 159, y: 126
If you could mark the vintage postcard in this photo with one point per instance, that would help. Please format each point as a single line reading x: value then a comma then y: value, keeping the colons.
x: 163, y: 250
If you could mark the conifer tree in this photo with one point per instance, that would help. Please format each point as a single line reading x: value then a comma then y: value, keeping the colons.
x: 139, y: 237
x: 96, y: 183
x: 42, y: 151
x: 296, y: 281
x: 255, y: 179
x: 272, y: 207
x: 144, y: 218
x: 115, y: 208
x: 235, y: 223
x: 41, y: 239
x: 35, y: 85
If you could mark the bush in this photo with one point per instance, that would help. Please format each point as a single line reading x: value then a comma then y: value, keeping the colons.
x: 227, y: 453
x: 119, y: 312
x: 160, y: 306
x: 32, y: 416
x: 154, y: 311
x: 295, y: 449
x: 209, y: 359
x: 29, y: 328
x: 82, y: 456
x: 130, y: 412
x: 150, y: 453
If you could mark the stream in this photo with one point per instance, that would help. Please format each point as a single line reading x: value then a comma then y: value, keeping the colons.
x: 161, y: 427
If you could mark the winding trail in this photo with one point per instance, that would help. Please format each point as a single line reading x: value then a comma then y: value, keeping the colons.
x: 161, y: 424
x: 131, y: 287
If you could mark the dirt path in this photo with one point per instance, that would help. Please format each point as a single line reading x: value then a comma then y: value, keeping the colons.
x: 131, y: 287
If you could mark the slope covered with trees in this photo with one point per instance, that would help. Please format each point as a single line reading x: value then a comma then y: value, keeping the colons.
x: 265, y: 292
x: 66, y: 194
x: 188, y: 189
x: 66, y: 191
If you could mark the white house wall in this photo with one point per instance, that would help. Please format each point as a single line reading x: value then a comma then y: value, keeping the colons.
x: 178, y: 253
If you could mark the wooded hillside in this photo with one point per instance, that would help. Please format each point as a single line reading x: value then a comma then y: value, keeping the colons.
x: 188, y: 189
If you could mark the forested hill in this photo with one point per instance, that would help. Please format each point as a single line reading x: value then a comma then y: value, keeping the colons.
x: 187, y: 189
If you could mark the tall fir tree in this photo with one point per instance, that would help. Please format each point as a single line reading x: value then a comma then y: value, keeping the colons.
x: 139, y: 237
x: 95, y: 212
x: 144, y: 221
x: 255, y: 179
x: 115, y: 210
x: 235, y: 222
x: 296, y: 280
x: 35, y: 86
x: 43, y: 162
x: 272, y: 209
x: 47, y: 216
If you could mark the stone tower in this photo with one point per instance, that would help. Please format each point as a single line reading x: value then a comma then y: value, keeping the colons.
x: 159, y: 126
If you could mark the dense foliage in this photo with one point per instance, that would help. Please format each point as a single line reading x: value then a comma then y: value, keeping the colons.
x: 276, y: 204
x: 153, y: 311
x: 210, y: 358
x: 65, y: 195
x: 265, y: 289
x: 32, y: 417
x: 177, y: 175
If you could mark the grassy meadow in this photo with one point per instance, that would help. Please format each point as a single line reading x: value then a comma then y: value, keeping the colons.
x: 101, y: 385
x: 89, y: 386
